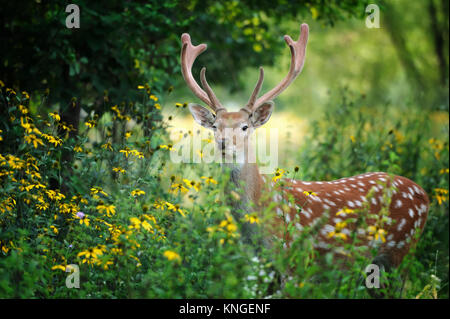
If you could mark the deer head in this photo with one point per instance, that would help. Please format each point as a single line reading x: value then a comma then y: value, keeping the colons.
x: 232, y: 129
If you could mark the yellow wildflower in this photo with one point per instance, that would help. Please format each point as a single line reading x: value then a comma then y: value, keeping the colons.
x: 171, y: 255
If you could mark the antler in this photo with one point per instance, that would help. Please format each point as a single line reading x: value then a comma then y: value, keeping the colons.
x: 298, y: 53
x: 189, y: 53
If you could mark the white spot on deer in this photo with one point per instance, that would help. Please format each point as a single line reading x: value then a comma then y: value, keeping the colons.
x: 315, y: 198
x: 327, y: 229
x: 400, y: 182
x: 390, y: 237
x: 398, y: 203
x: 299, y: 226
x: 337, y: 220
x: 350, y: 204
x: 353, y: 185
x: 329, y: 202
x: 347, y: 189
x: 401, y: 224
x: 401, y: 244
x: 307, y: 183
x: 374, y: 200
x: 287, y: 217
x: 391, y: 244
x: 372, y: 182
x: 279, y: 211
x: 306, y: 212
x: 321, y: 244
x: 326, y: 207
x: 411, y: 213
x: 346, y: 231
x: 277, y: 198
x: 361, y: 184
x: 423, y: 208
x: 358, y: 203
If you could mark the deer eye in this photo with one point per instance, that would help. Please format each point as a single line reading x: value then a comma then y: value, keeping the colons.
x: 244, y: 128
x: 214, y: 127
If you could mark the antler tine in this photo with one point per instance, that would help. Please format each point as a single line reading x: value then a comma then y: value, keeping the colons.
x: 215, y: 104
x: 258, y: 86
x: 298, y: 53
x: 189, y: 53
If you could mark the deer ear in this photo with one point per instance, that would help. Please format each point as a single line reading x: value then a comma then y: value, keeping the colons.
x: 262, y: 113
x: 202, y: 115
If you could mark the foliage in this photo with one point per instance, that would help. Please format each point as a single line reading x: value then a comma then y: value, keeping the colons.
x: 138, y: 227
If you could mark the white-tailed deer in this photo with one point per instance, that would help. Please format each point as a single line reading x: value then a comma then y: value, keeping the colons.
x: 408, y: 205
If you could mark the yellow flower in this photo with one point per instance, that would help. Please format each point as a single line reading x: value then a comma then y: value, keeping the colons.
x: 252, y: 219
x: 119, y: 170
x: 441, y: 195
x: 96, y: 190
x: 85, y: 220
x: 107, y: 146
x: 159, y: 204
x: 61, y: 267
x: 78, y: 149
x: 168, y: 147
x: 376, y: 233
x: 32, y: 139
x: 109, y: 209
x: 171, y: 255
x: 140, y: 87
x: 157, y: 106
x: 353, y: 139
x: 192, y: 184
x: 178, y: 187
x: 345, y: 210
x: 90, y: 123
x: 128, y: 135
x: 137, y: 192
x: 278, y: 174
x: 175, y: 208
x: 55, y: 116
x: 442, y: 171
x: 307, y: 193
x: 55, y: 230
x: 209, y: 180
x: 337, y: 232
x: 91, y: 255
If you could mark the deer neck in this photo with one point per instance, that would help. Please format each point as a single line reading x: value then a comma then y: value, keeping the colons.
x: 247, y: 181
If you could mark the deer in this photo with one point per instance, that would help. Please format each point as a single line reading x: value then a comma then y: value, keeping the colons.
x: 409, y: 203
